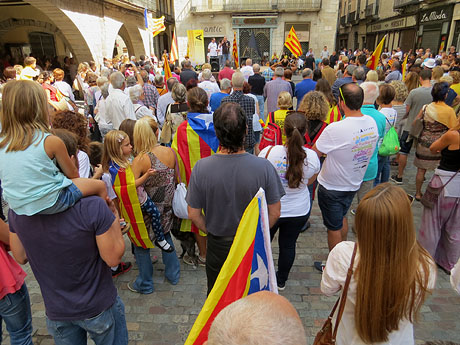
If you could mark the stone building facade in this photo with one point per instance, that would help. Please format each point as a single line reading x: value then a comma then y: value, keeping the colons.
x: 408, y: 24
x: 315, y: 22
x: 85, y: 29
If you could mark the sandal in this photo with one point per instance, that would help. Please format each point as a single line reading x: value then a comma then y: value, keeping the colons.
x: 418, y: 197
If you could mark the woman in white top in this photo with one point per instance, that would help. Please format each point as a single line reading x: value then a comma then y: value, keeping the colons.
x: 392, y: 272
x: 297, y: 167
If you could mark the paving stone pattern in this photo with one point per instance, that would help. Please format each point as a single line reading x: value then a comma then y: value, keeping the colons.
x: 166, y: 316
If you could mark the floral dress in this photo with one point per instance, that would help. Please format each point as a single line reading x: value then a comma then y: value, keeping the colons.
x: 160, y: 188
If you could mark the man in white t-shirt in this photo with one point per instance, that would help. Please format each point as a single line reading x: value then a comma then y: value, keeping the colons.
x: 247, y: 70
x: 212, y: 48
x: 349, y: 145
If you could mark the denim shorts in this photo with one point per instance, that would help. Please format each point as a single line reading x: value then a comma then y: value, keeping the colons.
x: 334, y: 205
x: 66, y: 199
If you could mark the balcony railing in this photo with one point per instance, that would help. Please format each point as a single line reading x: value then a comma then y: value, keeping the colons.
x: 197, y: 6
x: 402, y: 3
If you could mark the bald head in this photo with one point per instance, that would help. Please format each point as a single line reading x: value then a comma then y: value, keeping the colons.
x: 252, y: 321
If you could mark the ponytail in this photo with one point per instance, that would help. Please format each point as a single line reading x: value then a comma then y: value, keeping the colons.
x: 295, y: 127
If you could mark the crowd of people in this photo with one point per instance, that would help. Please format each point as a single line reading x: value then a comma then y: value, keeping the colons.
x: 88, y: 156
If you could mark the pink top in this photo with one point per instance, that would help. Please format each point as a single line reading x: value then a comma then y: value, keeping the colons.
x: 11, y: 274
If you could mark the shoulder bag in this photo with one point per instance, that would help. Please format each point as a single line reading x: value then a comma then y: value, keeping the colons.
x: 179, y: 204
x: 326, y: 336
x: 417, y: 127
x: 431, y: 195
x: 166, y: 130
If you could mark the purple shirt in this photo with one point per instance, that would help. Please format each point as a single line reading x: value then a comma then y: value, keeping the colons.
x: 75, y: 282
x: 272, y: 90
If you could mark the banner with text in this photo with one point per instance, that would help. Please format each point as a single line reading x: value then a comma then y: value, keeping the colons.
x: 196, y: 46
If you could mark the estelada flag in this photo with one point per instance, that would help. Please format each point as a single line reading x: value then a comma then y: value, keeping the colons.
x: 166, y: 68
x: 124, y: 186
x: 194, y: 139
x: 404, y: 68
x: 174, y: 55
x: 156, y: 25
x: 248, y: 269
x: 373, y: 61
x: 292, y: 43
x: 235, y: 51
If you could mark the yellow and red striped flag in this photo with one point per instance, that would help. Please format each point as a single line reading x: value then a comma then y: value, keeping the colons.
x: 248, y: 268
x: 375, y: 58
x: 390, y: 62
x: 174, y: 54
x: 166, y: 68
x: 156, y: 25
x: 292, y: 43
x: 404, y: 67
x: 235, y: 51
x: 125, y: 188
x: 194, y: 139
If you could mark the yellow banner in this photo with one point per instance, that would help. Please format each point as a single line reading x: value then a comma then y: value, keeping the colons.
x: 196, y: 46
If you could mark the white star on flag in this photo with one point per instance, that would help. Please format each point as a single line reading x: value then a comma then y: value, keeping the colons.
x: 261, y: 273
x: 207, y: 118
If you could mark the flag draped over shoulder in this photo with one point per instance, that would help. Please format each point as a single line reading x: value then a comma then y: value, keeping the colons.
x: 248, y: 269
x: 235, y: 51
x: 292, y: 43
x: 174, y: 54
x: 375, y: 58
x: 404, y: 68
x: 166, y: 68
x: 194, y: 139
x: 155, y: 25
x: 124, y: 186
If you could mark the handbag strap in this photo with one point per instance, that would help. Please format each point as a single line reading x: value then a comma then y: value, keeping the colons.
x: 343, y: 298
x: 177, y: 165
x: 268, y: 152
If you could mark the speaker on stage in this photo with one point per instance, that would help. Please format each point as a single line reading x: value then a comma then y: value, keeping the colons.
x: 214, y: 60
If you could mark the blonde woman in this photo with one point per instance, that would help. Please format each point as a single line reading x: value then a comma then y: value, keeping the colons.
x: 392, y: 273
x: 160, y: 188
x: 372, y: 76
x: 284, y: 103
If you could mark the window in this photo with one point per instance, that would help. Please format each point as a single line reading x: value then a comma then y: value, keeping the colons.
x: 42, y: 44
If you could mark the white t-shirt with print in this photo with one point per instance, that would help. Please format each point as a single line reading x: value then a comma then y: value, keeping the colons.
x: 212, y: 49
x: 296, y: 201
x: 349, y: 145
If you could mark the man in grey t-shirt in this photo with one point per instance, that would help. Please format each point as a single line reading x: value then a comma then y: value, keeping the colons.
x: 222, y: 186
x: 414, y: 103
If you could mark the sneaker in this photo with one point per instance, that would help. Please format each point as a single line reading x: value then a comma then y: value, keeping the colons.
x: 123, y: 267
x: 164, y: 246
x: 319, y: 265
x: 131, y: 288
x: 396, y: 179
x: 281, y: 286
x: 188, y: 260
x: 201, y: 261
x: 353, y: 212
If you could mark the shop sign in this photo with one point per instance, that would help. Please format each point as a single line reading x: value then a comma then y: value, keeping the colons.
x: 213, y: 30
x: 393, y: 24
x: 255, y: 22
x: 436, y: 15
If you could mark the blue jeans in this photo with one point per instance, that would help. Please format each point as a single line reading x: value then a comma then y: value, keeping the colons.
x: 15, y: 311
x: 383, y: 170
x: 261, y: 101
x: 144, y: 281
x: 107, y: 328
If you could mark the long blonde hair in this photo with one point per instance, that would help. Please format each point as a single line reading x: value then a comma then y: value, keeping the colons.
x: 393, y: 269
x: 113, y: 151
x: 145, y: 137
x: 24, y: 112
